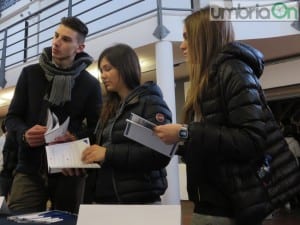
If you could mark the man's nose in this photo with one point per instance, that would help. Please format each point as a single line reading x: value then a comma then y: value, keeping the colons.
x: 56, y: 41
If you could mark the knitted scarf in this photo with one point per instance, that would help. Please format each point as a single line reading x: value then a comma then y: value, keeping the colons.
x: 62, y: 80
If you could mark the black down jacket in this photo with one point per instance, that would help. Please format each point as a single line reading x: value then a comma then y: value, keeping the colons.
x: 131, y: 173
x: 233, y: 128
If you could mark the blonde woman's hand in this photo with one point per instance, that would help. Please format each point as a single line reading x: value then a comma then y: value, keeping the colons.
x: 168, y: 133
x: 94, y: 153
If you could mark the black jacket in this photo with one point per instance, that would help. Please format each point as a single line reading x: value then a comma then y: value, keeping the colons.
x: 131, y: 172
x: 29, y: 108
x: 10, y: 159
x: 232, y: 129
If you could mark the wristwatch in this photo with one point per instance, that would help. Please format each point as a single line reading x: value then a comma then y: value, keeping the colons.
x: 183, y: 133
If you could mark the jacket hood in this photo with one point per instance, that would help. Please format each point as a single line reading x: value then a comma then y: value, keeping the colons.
x: 148, y: 88
x: 245, y: 53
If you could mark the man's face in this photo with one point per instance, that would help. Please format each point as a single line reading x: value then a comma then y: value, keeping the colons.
x: 65, y: 45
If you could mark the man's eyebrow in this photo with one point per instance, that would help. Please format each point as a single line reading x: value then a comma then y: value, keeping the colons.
x: 64, y: 36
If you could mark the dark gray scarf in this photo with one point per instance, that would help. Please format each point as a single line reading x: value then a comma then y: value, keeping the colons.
x: 62, y: 80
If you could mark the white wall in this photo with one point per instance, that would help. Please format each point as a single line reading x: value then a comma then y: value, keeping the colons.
x: 281, y: 74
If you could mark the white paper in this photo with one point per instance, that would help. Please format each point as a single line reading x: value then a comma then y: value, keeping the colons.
x: 2, y: 199
x: 67, y: 155
x: 54, y: 129
x: 130, y: 214
x: 3, y: 206
x: 45, y: 217
x: 141, y: 130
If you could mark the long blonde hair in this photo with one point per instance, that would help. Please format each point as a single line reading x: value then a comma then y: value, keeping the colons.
x: 205, y: 39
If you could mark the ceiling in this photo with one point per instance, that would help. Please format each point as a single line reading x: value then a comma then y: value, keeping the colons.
x: 274, y: 49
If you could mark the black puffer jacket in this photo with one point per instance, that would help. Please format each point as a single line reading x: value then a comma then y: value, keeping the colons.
x: 131, y: 172
x: 235, y: 134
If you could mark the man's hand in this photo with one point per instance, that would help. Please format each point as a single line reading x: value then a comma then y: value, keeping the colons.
x: 73, y: 172
x: 34, y: 136
x: 64, y: 138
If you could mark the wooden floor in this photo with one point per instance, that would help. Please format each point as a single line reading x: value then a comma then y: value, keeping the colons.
x: 282, y: 217
x: 186, y: 212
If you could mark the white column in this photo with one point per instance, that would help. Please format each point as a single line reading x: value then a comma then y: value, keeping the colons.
x: 165, y: 79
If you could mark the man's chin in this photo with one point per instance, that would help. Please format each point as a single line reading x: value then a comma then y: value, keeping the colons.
x: 56, y: 57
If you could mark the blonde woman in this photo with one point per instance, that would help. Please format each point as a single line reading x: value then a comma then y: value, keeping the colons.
x: 223, y: 116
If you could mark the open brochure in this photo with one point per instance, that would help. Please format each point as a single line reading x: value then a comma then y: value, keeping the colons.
x: 67, y: 155
x: 45, y: 217
x: 54, y: 129
x: 141, y: 130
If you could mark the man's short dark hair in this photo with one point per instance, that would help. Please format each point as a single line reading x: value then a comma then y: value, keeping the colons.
x: 76, y: 24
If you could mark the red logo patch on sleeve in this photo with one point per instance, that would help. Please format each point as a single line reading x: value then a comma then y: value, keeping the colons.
x: 160, y: 117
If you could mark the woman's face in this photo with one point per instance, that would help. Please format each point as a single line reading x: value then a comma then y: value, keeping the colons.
x: 110, y: 77
x: 184, y: 44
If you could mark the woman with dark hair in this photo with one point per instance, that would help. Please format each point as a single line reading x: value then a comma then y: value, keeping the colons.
x: 130, y: 173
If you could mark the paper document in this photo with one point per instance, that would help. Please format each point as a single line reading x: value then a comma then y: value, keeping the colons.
x: 3, y: 206
x: 129, y: 214
x: 46, y: 217
x: 67, y: 155
x: 54, y: 129
x: 141, y: 130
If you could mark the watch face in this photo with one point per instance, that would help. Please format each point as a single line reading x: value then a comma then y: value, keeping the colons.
x: 183, y: 133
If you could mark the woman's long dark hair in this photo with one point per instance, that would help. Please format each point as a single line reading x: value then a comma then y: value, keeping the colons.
x: 125, y: 60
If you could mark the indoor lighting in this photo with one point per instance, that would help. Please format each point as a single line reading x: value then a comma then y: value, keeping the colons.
x: 93, y: 69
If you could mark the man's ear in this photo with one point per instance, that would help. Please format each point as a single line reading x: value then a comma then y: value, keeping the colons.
x: 80, y: 48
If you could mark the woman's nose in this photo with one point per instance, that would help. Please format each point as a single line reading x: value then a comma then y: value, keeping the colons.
x: 182, y: 46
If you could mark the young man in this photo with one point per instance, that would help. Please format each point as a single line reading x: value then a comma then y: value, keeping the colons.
x: 60, y: 83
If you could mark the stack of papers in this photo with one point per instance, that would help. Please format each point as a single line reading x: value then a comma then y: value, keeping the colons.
x: 54, y: 129
x: 141, y: 130
x: 67, y: 155
x: 43, y: 217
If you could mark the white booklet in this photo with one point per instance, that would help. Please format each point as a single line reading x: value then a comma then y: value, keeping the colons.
x: 54, y: 129
x: 141, y: 130
x: 67, y: 155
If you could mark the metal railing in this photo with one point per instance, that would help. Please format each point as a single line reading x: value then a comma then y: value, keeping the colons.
x: 4, y: 4
x: 26, y: 38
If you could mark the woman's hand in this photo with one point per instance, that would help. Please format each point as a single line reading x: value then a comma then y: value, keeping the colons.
x: 168, y: 133
x: 94, y: 153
